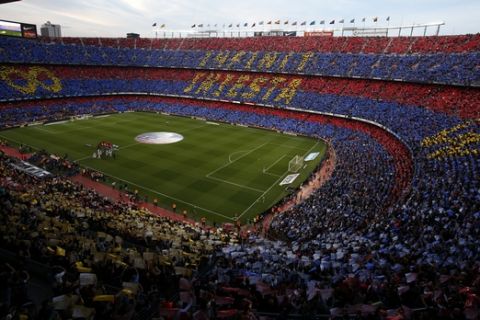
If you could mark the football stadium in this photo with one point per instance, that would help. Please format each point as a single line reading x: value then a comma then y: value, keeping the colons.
x: 184, y: 165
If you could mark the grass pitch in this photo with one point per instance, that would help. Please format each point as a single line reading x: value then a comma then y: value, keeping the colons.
x: 10, y: 33
x: 218, y: 171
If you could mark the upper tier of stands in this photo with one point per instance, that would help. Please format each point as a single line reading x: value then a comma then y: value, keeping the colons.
x: 447, y: 60
x: 388, y: 45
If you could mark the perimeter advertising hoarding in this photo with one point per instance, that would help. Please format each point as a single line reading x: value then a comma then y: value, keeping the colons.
x: 275, y: 33
x: 17, y: 29
x: 319, y: 34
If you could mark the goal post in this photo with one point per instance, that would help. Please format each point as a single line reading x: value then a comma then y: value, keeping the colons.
x: 295, y: 164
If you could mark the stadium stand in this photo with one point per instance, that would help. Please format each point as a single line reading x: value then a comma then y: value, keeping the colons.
x: 394, y: 232
x: 449, y: 65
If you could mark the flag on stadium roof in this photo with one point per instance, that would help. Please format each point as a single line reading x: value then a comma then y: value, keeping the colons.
x: 163, y: 25
x: 200, y: 25
x: 260, y: 23
x: 286, y: 22
x: 269, y: 22
x: 154, y: 25
x: 253, y: 24
x: 363, y: 20
x: 303, y: 23
x: 312, y: 23
x: 341, y: 21
x: 352, y: 21
x: 322, y: 22
x: 230, y: 25
x: 294, y: 23
x: 388, y: 18
x: 375, y: 19
x: 193, y: 26
x: 332, y: 22
x: 277, y: 22
x: 238, y: 25
x: 245, y: 24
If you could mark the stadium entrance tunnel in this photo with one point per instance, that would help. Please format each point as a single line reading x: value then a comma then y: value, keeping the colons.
x: 159, y: 137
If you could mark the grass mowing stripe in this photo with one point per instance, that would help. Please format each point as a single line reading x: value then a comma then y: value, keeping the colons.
x: 40, y: 128
x: 167, y: 196
x: 18, y: 142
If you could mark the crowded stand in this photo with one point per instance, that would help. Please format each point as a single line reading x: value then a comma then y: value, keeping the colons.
x: 447, y: 66
x: 399, y: 45
x: 85, y: 237
x: 393, y: 234
x: 21, y: 82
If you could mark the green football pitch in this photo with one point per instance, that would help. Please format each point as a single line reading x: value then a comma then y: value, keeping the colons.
x: 218, y: 171
x: 10, y: 33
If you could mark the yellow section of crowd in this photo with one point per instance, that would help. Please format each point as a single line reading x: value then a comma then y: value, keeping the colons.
x: 34, y: 77
x: 243, y: 86
x: 454, y: 145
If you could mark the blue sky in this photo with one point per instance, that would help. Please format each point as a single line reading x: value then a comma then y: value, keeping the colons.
x: 114, y: 18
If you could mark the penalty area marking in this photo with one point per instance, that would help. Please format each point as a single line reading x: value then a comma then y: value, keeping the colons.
x: 271, y: 174
x: 265, y: 170
x: 209, y: 175
x: 236, y: 152
x: 230, y: 162
x: 235, y: 184
x: 273, y: 185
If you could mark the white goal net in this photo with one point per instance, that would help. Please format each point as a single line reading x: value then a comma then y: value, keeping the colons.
x: 295, y: 164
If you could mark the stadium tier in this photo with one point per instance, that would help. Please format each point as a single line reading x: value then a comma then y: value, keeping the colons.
x: 400, y: 45
x: 439, y: 66
x: 393, y: 229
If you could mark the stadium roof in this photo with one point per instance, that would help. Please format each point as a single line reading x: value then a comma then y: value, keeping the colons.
x: 7, y: 1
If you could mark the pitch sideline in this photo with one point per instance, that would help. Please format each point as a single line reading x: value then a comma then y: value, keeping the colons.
x: 165, y: 195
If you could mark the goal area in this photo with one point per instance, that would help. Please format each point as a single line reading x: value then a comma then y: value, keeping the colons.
x: 295, y: 164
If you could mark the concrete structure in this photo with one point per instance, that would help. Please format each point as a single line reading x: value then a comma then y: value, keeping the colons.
x: 51, y: 30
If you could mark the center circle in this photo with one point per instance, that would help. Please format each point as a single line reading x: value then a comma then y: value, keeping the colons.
x: 159, y: 137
